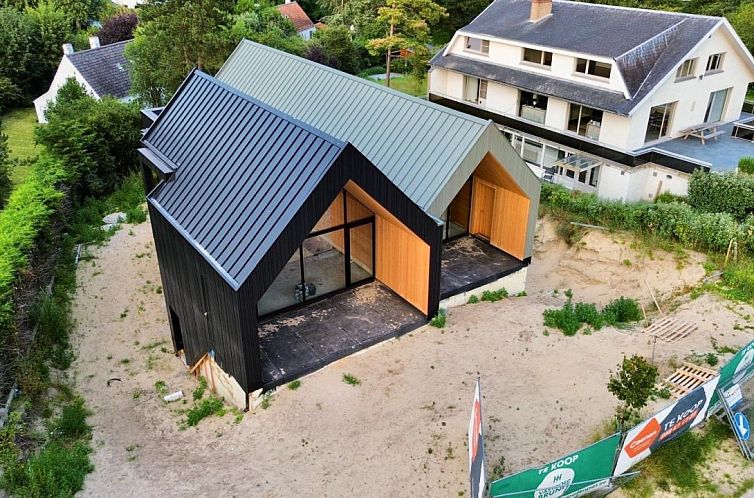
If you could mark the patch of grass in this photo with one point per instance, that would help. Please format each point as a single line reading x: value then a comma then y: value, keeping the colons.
x: 622, y: 310
x: 199, y: 391
x: 136, y: 215
x: 351, y: 380
x: 439, y: 319
x: 473, y: 299
x: 160, y: 387
x: 18, y: 125
x: 266, y: 400
x: 294, y: 384
x: 407, y: 84
x: 205, y: 408
x: 738, y: 280
x: 678, y: 464
x: 571, y: 317
x: 492, y: 296
x: 711, y: 359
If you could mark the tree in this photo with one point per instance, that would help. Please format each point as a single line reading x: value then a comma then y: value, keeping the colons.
x: 174, y: 37
x: 743, y: 21
x: 19, y: 63
x: 408, y: 28
x: 336, y: 47
x: 460, y: 13
x: 263, y: 23
x: 118, y: 28
x: 53, y: 30
x: 633, y: 384
x: 95, y: 140
x: 79, y: 12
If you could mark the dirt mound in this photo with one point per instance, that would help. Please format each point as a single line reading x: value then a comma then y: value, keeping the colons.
x: 603, y: 265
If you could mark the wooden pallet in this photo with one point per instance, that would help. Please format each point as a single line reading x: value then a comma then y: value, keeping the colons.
x: 687, y: 378
x: 670, y: 329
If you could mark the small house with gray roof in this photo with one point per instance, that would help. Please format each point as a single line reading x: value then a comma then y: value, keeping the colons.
x: 101, y: 70
x: 296, y: 225
x: 620, y: 102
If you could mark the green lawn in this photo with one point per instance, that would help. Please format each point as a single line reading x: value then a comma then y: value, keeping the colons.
x: 409, y: 85
x: 19, y: 124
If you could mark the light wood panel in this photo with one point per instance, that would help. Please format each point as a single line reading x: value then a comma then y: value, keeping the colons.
x: 402, y: 258
x: 492, y: 171
x: 459, y: 211
x: 483, y: 208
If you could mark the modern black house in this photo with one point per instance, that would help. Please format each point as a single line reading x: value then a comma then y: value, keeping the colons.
x: 268, y: 230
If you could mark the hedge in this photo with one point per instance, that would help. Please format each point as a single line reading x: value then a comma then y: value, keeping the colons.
x: 675, y: 221
x: 727, y: 193
x: 27, y: 212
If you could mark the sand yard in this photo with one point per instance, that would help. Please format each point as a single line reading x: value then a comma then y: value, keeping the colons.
x: 402, y: 432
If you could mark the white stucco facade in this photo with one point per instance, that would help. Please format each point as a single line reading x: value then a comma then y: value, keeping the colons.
x: 689, y: 101
x: 65, y: 71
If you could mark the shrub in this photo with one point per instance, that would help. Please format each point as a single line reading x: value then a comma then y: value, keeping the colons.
x: 473, y: 299
x: 621, y: 310
x: 351, y: 380
x: 118, y: 28
x: 439, y: 319
x: 72, y: 424
x: 57, y: 470
x: 738, y: 279
x: 667, y: 198
x: 728, y: 193
x: 493, y: 296
x: 587, y: 313
x: 206, y: 407
x: 746, y: 165
x: 564, y: 319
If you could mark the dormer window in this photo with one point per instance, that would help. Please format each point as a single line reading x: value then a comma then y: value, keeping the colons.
x: 593, y: 68
x: 539, y: 57
x: 715, y: 63
x: 686, y: 70
x: 477, y: 45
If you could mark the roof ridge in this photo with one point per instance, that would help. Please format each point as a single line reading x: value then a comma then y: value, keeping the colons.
x: 100, y: 47
x: 623, y: 7
x: 361, y: 81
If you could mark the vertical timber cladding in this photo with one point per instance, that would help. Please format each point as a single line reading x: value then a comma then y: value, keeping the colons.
x: 402, y: 258
x: 499, y: 209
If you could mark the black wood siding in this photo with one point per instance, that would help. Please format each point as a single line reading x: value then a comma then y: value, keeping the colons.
x: 192, y: 288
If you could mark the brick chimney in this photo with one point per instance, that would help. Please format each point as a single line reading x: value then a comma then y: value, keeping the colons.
x: 94, y: 42
x: 540, y: 9
x: 67, y: 49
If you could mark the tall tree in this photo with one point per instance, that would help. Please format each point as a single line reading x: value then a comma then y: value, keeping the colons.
x: 174, y: 37
x: 53, y: 30
x: 118, y: 28
x: 80, y: 12
x: 408, y: 28
x: 460, y: 13
x: 19, y: 63
x: 263, y: 23
x: 334, y: 46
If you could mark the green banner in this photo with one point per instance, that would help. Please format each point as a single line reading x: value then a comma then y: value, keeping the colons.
x: 737, y: 370
x: 573, y: 475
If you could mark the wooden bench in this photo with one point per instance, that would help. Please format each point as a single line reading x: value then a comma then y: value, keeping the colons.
x: 703, y: 132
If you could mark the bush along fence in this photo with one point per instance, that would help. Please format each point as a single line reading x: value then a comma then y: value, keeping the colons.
x: 607, y: 463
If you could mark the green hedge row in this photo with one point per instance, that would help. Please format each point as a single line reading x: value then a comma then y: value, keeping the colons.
x: 726, y: 193
x: 675, y: 221
x: 27, y: 212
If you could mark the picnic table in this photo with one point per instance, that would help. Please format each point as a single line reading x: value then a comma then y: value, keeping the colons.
x: 703, y: 132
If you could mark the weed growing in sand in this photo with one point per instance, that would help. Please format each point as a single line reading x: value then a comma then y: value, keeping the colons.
x: 711, y: 359
x: 124, y: 314
x: 136, y: 215
x: 153, y: 345
x: 199, y: 391
x: 351, y: 380
x: 160, y: 387
x: 722, y: 349
x: 627, y: 262
x: 205, y: 408
x: 439, y: 319
x: 521, y: 294
x: 493, y: 296
x: 158, y: 290
x: 498, y: 469
x: 294, y: 384
x: 473, y: 299
x: 571, y: 317
x: 125, y: 361
x: 266, y: 400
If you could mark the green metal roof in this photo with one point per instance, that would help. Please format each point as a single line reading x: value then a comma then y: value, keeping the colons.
x: 427, y: 150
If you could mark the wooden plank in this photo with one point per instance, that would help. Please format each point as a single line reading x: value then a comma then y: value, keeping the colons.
x: 670, y: 329
x: 687, y: 378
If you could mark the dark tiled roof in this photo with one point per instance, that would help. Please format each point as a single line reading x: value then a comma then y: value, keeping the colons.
x: 105, y: 69
x: 243, y: 170
x: 296, y: 14
x: 645, y: 44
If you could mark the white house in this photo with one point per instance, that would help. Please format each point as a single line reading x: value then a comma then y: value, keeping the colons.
x: 103, y: 71
x: 293, y: 11
x: 599, y: 98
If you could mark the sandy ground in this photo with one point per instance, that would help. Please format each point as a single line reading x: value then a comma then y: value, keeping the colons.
x: 401, y: 432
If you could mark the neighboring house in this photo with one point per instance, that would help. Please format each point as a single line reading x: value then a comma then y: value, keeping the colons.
x: 103, y: 71
x: 273, y: 204
x: 597, y: 97
x: 293, y: 11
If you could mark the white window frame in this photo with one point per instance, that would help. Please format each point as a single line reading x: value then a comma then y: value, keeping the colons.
x: 484, y: 46
x: 542, y: 57
x: 687, y: 70
x: 718, y: 58
x: 590, y: 65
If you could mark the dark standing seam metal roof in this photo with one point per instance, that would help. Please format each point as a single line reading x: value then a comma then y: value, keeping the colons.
x: 645, y: 44
x: 242, y: 172
x: 417, y: 144
x: 105, y: 69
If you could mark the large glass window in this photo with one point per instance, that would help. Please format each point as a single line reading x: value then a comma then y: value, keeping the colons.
x: 593, y: 68
x: 532, y: 152
x: 660, y: 119
x: 715, y: 63
x: 535, y: 56
x: 585, y: 121
x: 338, y: 253
x: 533, y: 107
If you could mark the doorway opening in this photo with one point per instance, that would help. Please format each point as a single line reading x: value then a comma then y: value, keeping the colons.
x: 175, y: 328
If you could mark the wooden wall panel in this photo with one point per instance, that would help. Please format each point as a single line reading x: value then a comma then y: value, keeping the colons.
x: 402, y: 258
x: 403, y: 262
x: 482, y: 208
x: 361, y: 247
x: 509, y: 222
x: 459, y: 211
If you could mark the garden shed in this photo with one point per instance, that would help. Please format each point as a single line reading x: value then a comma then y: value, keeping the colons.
x: 283, y: 247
